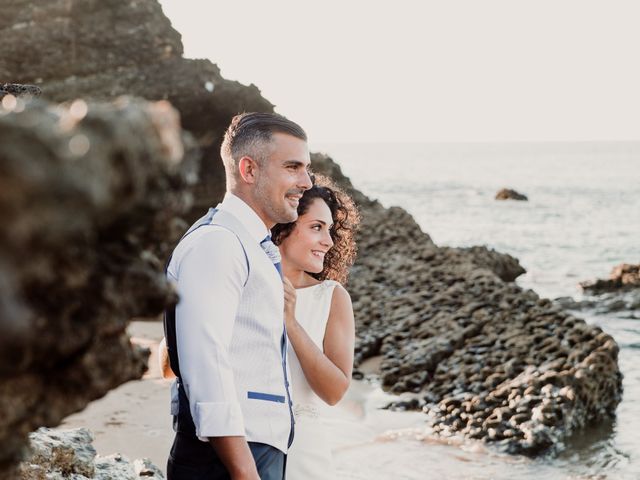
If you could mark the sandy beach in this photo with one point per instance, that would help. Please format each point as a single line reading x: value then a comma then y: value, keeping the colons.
x: 369, y: 442
x: 134, y: 419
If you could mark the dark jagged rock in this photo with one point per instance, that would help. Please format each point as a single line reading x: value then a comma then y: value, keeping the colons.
x: 508, y: 194
x: 90, y: 197
x: 18, y: 90
x: 482, y: 357
x: 101, y: 49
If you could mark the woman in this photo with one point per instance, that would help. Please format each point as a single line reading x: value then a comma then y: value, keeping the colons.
x: 317, y: 251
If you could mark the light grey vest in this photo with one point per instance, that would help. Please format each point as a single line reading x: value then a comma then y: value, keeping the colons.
x: 256, y: 351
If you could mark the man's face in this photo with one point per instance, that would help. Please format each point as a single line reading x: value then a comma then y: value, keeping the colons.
x: 283, y: 179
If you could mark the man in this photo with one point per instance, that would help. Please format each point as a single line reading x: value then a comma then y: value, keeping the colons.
x: 226, y: 336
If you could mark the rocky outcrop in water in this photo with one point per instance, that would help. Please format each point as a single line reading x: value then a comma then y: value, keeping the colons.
x: 619, y: 294
x: 90, y: 196
x: 625, y: 303
x: 102, y: 49
x: 484, y: 358
x: 64, y: 454
x: 623, y: 277
x: 509, y: 194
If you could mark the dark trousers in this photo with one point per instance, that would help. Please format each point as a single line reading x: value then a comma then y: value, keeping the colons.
x: 191, y: 459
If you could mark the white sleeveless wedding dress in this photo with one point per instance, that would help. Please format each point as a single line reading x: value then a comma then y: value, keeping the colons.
x: 309, y: 456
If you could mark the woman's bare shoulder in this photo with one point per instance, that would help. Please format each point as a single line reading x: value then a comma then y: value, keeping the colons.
x: 341, y: 300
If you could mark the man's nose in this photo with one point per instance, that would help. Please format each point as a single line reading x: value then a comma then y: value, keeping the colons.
x: 305, y: 180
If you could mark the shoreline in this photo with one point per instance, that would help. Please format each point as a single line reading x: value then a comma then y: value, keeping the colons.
x: 369, y: 442
x: 134, y: 419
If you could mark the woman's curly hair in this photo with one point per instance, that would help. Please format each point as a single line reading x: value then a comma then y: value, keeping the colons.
x: 346, y: 220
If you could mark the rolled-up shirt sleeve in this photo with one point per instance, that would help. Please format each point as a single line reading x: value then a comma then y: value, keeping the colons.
x: 211, y: 274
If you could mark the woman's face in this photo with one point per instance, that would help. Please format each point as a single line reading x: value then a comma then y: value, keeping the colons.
x: 310, y: 240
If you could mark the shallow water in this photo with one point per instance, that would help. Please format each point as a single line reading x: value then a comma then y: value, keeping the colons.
x: 373, y: 443
x: 582, y: 218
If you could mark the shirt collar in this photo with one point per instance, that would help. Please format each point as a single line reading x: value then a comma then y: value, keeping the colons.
x: 246, y: 215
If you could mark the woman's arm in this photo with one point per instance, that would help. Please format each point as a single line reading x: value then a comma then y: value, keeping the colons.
x: 328, y: 372
x: 163, y: 360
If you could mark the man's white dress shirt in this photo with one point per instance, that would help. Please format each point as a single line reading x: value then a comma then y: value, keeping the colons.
x: 229, y: 326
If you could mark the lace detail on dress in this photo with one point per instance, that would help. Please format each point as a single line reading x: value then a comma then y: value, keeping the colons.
x: 305, y: 410
x: 321, y: 288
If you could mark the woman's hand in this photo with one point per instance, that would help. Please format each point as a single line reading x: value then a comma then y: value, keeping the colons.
x: 289, y: 303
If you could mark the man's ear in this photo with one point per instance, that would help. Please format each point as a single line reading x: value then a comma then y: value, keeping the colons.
x: 247, y: 167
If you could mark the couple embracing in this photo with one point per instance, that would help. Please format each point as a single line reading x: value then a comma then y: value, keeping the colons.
x: 263, y: 334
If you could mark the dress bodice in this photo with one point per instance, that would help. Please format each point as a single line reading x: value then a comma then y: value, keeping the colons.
x: 312, y: 312
x: 310, y: 456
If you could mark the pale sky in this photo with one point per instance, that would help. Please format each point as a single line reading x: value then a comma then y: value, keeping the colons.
x: 430, y: 71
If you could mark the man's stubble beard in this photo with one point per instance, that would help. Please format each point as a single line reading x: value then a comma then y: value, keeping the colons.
x: 277, y: 212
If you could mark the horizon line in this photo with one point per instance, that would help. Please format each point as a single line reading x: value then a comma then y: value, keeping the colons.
x: 472, y: 142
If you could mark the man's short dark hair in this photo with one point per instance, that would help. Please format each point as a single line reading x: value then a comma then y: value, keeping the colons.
x: 250, y: 134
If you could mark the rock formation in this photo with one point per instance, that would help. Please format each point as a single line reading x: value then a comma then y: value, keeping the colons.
x: 508, y: 194
x: 482, y: 357
x: 90, y: 196
x: 64, y: 454
x: 620, y: 293
x: 623, y: 277
x: 102, y: 49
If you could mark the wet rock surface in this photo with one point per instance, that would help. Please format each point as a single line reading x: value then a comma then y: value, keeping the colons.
x: 625, y: 303
x: 64, y: 454
x: 102, y: 49
x: 509, y: 194
x: 90, y: 196
x: 484, y: 358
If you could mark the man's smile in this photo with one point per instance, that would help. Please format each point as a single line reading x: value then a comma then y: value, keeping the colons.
x: 294, y: 199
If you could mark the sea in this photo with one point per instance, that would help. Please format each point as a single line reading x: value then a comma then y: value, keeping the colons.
x: 581, y: 219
